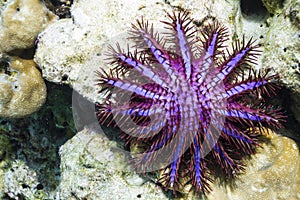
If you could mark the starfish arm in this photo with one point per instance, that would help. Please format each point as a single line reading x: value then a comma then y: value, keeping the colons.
x: 142, y: 32
x: 243, y: 54
x: 243, y: 113
x: 129, y: 61
x: 166, y: 134
x: 249, y: 114
x: 237, y: 135
x: 243, y: 87
x: 136, y: 111
x: 197, y: 164
x: 224, y: 159
x: 174, y: 171
x: 131, y: 87
x: 150, y: 154
x: 182, y: 31
x: 213, y: 39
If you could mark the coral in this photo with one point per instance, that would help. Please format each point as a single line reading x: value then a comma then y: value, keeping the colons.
x: 35, y: 140
x: 272, y: 173
x: 187, y: 101
x: 22, y: 90
x: 21, y: 22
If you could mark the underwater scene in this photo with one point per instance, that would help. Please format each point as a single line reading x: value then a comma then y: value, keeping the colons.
x: 150, y: 99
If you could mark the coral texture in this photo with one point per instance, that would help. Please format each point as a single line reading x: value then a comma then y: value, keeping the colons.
x: 186, y: 101
x: 272, y: 173
x: 21, y: 21
x: 22, y: 89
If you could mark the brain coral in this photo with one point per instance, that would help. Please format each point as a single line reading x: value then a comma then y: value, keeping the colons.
x: 22, y: 89
x: 20, y: 23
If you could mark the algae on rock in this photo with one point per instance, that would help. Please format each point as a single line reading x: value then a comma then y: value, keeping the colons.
x: 29, y: 145
x: 20, y: 182
x: 273, y: 6
x: 5, y: 154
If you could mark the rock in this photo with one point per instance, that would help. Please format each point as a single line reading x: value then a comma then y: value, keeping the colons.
x: 20, y: 23
x: 22, y: 183
x: 35, y: 140
x: 90, y: 169
x: 22, y: 90
x: 93, y: 167
x: 273, y: 6
x: 282, y: 50
x: 83, y: 40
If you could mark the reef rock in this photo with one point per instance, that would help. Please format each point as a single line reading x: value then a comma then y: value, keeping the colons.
x: 83, y: 39
x: 93, y: 167
x: 22, y: 90
x: 20, y: 182
x: 273, y: 6
x: 20, y: 23
x: 282, y: 50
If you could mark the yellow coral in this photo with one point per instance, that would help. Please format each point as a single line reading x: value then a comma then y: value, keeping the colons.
x: 22, y: 89
x: 21, y: 22
x: 273, y: 173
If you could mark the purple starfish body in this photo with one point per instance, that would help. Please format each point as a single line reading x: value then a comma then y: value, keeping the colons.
x: 186, y: 100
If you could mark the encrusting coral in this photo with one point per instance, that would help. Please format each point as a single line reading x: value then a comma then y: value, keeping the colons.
x: 22, y: 89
